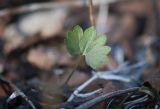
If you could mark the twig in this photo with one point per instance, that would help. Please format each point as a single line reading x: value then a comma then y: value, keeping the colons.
x: 17, y: 92
x: 81, y: 87
x: 89, y: 94
x: 125, y: 67
x: 107, y: 75
x: 102, y: 18
x: 109, y: 103
x: 106, y: 96
x: 91, y: 16
x: 136, y: 102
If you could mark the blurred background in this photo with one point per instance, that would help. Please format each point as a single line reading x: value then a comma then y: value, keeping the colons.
x: 33, y: 54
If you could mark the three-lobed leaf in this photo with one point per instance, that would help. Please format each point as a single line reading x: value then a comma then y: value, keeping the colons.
x: 72, y: 40
x: 87, y: 39
x: 88, y: 44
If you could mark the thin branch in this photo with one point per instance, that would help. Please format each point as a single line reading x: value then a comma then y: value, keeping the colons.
x: 108, y: 75
x: 17, y: 92
x: 102, y: 18
x: 90, y: 93
x: 91, y: 16
x: 81, y: 87
x: 136, y: 102
x: 106, y: 96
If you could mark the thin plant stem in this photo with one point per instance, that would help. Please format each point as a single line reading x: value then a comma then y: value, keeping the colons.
x: 92, y: 21
x: 74, y: 69
x: 91, y: 17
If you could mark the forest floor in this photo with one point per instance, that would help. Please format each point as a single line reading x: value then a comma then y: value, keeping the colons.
x: 34, y: 62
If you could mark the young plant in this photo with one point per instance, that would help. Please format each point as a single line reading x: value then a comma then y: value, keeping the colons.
x: 88, y: 45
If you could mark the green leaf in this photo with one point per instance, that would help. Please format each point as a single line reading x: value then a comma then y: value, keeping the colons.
x: 97, y: 56
x: 72, y: 40
x: 99, y: 40
x: 89, y: 45
x: 86, y: 40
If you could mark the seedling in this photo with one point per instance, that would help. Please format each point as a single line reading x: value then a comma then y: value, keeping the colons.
x: 88, y: 45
